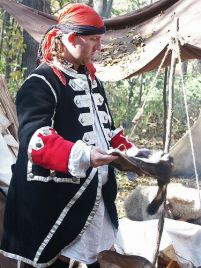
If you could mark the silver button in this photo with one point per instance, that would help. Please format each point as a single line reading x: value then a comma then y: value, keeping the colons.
x: 31, y: 175
x: 110, y: 135
x: 77, y: 102
x: 82, y: 120
x: 38, y: 145
x: 74, y: 179
x: 46, y: 132
x: 86, y: 139
x: 52, y: 173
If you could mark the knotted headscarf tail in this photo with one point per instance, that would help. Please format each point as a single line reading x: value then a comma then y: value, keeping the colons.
x: 78, y: 18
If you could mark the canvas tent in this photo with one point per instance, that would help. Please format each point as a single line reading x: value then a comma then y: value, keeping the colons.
x: 140, y: 48
x: 135, y: 42
x: 184, y: 161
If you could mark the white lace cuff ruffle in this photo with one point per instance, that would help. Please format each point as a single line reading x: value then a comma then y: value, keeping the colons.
x: 79, y: 160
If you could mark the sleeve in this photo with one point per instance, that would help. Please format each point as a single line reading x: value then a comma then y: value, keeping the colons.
x: 120, y: 141
x: 79, y: 160
x: 36, y: 105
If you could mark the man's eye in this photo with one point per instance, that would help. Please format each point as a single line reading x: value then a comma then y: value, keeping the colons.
x: 94, y: 39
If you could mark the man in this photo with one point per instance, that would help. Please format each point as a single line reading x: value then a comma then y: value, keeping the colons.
x: 60, y: 203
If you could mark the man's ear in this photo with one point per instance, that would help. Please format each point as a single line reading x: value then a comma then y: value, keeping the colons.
x: 68, y: 39
x: 71, y: 37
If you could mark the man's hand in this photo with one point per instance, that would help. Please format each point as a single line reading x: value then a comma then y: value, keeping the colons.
x: 100, y: 158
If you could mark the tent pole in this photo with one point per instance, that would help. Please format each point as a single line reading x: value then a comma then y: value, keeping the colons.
x: 167, y: 143
x: 165, y: 104
x: 171, y: 101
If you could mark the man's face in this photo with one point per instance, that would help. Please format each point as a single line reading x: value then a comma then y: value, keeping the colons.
x: 83, y: 48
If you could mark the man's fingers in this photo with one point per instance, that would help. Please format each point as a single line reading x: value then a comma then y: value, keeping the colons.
x: 99, y: 159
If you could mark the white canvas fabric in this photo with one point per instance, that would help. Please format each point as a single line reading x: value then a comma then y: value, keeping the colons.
x: 6, y: 160
x: 181, y: 241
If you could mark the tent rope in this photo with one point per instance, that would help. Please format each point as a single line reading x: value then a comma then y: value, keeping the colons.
x: 167, y: 140
x: 174, y: 45
x: 141, y: 110
x: 187, y: 118
x: 136, y: 121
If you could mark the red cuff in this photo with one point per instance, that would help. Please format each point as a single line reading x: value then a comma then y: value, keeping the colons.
x: 50, y: 150
x: 120, y: 141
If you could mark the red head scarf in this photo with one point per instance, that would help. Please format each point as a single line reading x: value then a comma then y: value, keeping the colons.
x: 78, y: 18
x: 80, y: 14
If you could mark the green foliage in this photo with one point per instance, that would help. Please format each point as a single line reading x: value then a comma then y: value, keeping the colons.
x: 125, y: 105
x: 134, y: 5
x: 151, y: 123
x: 118, y: 101
x: 192, y: 86
x: 17, y: 48
x: 11, y: 54
x: 123, y: 7
x: 16, y: 80
x: 58, y: 4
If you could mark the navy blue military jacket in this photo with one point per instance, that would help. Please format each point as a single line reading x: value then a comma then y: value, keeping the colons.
x: 47, y: 211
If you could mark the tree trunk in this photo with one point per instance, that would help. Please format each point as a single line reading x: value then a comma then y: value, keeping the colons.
x: 165, y: 104
x: 91, y: 3
x: 109, y: 9
x: 171, y: 103
x: 8, y: 46
x: 2, y: 33
x: 131, y: 82
x: 140, y: 90
x: 104, y: 7
x: 101, y: 7
x: 29, y: 58
x: 184, y: 67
